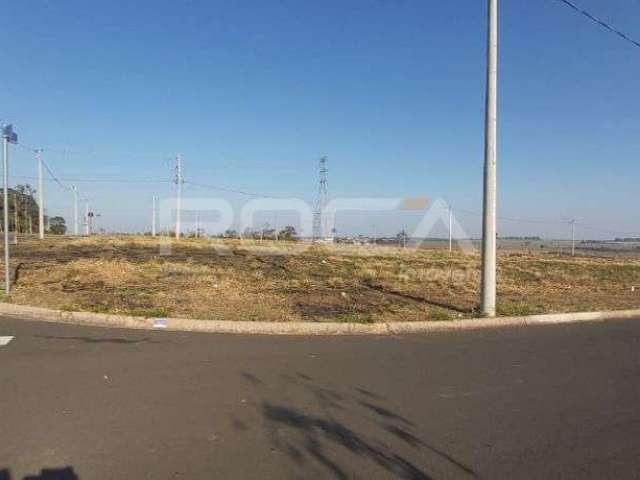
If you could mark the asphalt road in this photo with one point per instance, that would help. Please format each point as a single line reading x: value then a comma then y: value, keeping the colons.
x: 541, y: 402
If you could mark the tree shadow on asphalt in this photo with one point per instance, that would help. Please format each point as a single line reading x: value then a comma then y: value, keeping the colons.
x: 66, y: 473
x: 308, y: 437
x: 118, y: 340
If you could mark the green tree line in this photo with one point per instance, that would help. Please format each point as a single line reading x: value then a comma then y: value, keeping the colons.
x: 23, y: 212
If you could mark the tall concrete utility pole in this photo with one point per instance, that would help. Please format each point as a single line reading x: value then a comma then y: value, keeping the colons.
x: 8, y: 136
x: 87, y: 229
x: 489, y: 228
x: 75, y: 210
x: 179, y: 180
x: 40, y: 195
x: 153, y: 217
x: 573, y: 238
x: 450, y: 229
x: 275, y: 221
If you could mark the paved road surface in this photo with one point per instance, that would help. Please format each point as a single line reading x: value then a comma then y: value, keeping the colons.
x: 542, y: 402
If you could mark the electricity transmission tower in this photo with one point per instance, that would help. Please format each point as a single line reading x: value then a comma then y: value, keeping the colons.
x: 319, y: 230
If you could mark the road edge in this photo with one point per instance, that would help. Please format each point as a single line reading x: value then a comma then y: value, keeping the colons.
x: 300, y: 328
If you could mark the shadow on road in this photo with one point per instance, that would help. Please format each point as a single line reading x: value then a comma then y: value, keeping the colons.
x: 339, y: 424
x: 119, y: 340
x: 65, y: 473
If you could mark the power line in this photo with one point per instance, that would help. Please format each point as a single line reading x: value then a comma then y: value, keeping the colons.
x: 610, y: 232
x: 602, y: 23
x: 92, y: 152
x: 101, y: 180
x: 46, y: 166
x: 54, y: 178
x: 511, y: 219
x: 229, y: 190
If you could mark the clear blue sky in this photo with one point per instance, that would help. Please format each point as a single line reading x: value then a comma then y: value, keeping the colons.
x: 252, y: 93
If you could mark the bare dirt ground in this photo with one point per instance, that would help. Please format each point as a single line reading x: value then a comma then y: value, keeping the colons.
x: 295, y: 281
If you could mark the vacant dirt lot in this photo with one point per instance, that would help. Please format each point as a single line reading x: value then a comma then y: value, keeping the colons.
x: 233, y: 280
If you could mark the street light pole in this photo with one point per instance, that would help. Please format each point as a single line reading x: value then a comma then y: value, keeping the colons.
x: 5, y: 166
x: 489, y: 228
x: 8, y: 136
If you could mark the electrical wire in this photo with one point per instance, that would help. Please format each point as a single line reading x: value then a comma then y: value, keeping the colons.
x: 602, y: 23
x: 607, y: 231
x: 511, y: 219
x: 54, y: 178
x: 229, y: 190
x: 46, y: 166
x: 62, y: 184
x: 101, y: 180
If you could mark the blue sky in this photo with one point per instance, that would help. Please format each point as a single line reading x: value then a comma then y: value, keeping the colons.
x: 252, y: 93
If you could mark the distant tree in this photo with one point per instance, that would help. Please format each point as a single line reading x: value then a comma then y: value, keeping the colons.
x: 268, y: 233
x: 402, y: 238
x: 25, y: 208
x: 288, y: 233
x: 230, y: 234
x: 57, y: 226
x: 250, y: 233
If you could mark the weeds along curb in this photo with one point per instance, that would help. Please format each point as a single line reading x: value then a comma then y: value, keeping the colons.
x: 300, y: 328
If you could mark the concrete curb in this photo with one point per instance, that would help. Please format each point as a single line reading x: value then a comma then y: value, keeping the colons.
x: 301, y: 328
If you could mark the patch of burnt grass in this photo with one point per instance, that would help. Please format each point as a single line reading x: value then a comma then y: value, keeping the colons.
x: 126, y: 274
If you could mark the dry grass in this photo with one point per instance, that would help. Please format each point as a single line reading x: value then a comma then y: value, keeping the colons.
x: 235, y: 280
